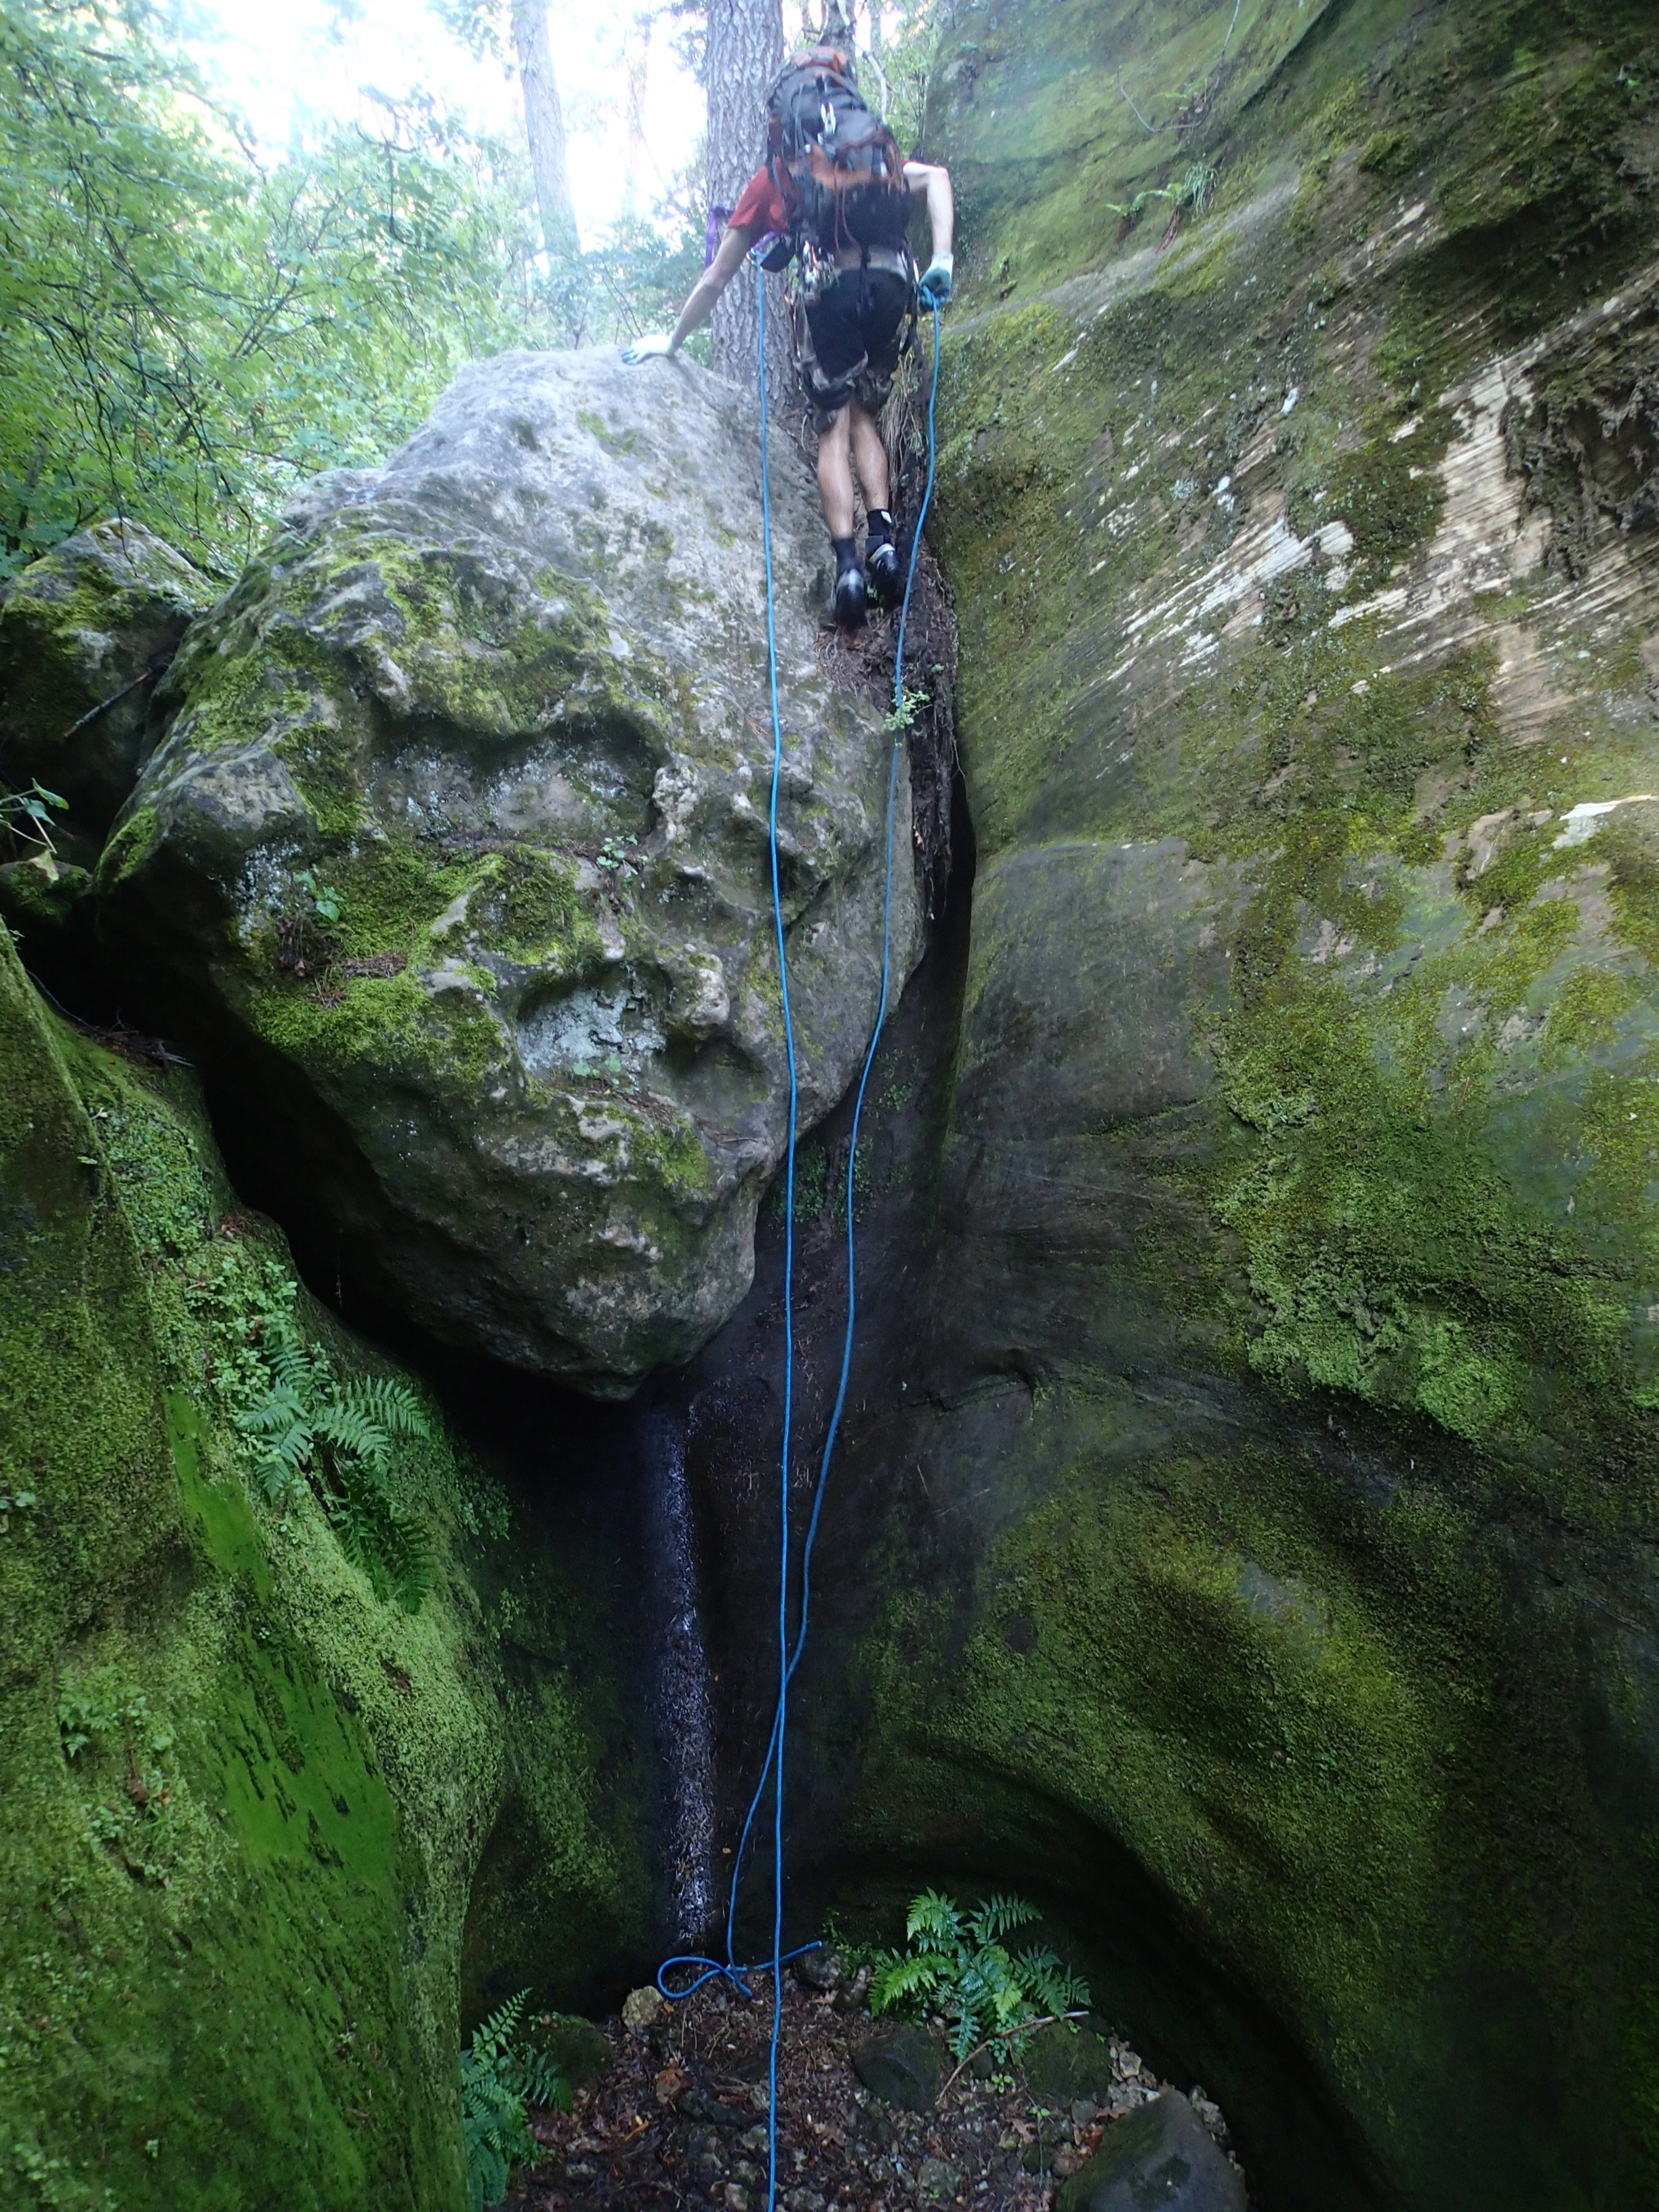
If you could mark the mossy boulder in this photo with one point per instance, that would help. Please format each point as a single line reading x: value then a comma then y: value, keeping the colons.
x: 902, y: 2063
x: 454, y: 855
x: 1158, y: 2154
x: 248, y: 1793
x: 85, y: 634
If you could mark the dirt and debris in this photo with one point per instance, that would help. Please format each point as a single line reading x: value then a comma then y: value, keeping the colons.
x: 680, y: 2119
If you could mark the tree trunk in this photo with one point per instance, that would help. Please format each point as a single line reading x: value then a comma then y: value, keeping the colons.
x: 746, y: 52
x: 543, y: 120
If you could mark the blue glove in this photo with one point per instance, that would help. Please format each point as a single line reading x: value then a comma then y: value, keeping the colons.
x: 935, y: 286
x: 657, y: 347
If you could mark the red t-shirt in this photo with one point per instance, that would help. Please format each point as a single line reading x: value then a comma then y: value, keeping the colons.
x: 760, y: 207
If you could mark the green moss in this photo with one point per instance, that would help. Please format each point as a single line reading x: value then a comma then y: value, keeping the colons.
x: 526, y: 904
x: 31, y: 896
x: 130, y: 846
x: 385, y: 1022
x: 1585, y: 1016
x: 1342, y: 1340
x: 1300, y: 1714
x: 244, y: 1800
x: 1389, y: 492
x: 626, y: 442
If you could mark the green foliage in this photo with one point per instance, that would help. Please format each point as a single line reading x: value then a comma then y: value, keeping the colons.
x: 26, y: 816
x: 502, y: 2074
x: 99, y: 1712
x: 957, y: 1964
x: 308, y: 1425
x: 184, y: 334
x: 1195, y: 189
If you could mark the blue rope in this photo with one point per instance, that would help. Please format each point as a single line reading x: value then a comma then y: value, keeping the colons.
x: 710, y: 1970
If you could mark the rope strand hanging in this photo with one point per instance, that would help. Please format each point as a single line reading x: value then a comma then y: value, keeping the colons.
x: 772, y: 1772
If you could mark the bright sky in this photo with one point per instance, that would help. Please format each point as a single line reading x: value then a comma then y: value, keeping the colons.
x: 280, y: 62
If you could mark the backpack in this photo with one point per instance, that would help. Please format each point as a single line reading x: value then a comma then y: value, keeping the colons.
x: 837, y: 166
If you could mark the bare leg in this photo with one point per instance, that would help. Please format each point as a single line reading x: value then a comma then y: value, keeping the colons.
x: 836, y: 474
x: 870, y: 456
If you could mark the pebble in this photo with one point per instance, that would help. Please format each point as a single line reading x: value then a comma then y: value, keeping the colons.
x: 936, y: 2182
x: 640, y: 2008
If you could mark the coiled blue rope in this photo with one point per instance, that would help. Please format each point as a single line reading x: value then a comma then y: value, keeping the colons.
x: 709, y: 1970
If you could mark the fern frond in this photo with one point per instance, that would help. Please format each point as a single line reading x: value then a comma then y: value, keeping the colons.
x: 391, y: 1404
x: 910, y: 1980
x: 283, y: 1409
x: 292, y: 1365
x: 542, y: 2082
x: 410, y: 1567
x: 495, y: 2082
x: 935, y: 1916
x: 493, y: 2037
x: 358, y: 1526
x: 996, y: 1916
x: 1054, y: 1989
x: 354, y: 1429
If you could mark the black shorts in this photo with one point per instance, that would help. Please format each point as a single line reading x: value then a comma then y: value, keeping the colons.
x: 854, y: 336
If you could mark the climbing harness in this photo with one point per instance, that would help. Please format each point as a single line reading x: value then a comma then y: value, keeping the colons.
x: 772, y: 1772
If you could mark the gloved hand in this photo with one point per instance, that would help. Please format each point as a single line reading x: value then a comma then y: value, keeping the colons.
x: 660, y: 341
x: 935, y: 286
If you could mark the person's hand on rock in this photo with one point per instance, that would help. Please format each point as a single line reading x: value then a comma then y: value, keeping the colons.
x: 661, y: 342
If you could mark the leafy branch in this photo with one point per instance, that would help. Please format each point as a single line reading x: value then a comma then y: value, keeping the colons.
x: 27, y: 816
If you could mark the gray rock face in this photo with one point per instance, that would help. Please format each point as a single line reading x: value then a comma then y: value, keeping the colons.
x: 93, y: 620
x: 457, y: 840
x: 902, y: 2065
x: 1159, y: 2158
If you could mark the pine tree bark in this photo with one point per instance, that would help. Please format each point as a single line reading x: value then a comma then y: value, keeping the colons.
x: 746, y: 52
x: 543, y: 119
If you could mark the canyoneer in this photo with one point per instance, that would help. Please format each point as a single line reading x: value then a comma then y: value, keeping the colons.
x: 833, y: 197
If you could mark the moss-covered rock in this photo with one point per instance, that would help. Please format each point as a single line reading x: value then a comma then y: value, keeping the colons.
x: 246, y: 1792
x: 455, y: 851
x: 85, y: 633
x: 1265, y: 1482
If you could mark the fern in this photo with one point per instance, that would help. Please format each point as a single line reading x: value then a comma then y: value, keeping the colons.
x: 994, y: 1917
x: 339, y: 1438
x: 501, y: 2077
x: 934, y: 1916
x: 957, y: 1963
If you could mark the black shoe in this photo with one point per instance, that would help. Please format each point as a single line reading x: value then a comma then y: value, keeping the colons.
x: 849, y: 603
x: 882, y: 563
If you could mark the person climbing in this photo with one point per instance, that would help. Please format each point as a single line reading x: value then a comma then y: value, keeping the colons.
x: 834, y: 195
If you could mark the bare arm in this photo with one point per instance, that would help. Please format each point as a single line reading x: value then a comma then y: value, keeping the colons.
x: 930, y: 181
x: 714, y: 281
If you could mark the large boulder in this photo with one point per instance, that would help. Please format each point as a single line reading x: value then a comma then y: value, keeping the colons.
x: 85, y: 632
x: 271, y: 1835
x: 456, y: 848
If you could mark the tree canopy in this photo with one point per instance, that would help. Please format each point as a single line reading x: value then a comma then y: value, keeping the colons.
x: 186, y: 331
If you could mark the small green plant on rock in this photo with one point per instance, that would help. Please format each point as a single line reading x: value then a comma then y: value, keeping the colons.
x: 502, y: 2075
x: 957, y: 1964
x: 310, y: 1428
x: 26, y: 817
